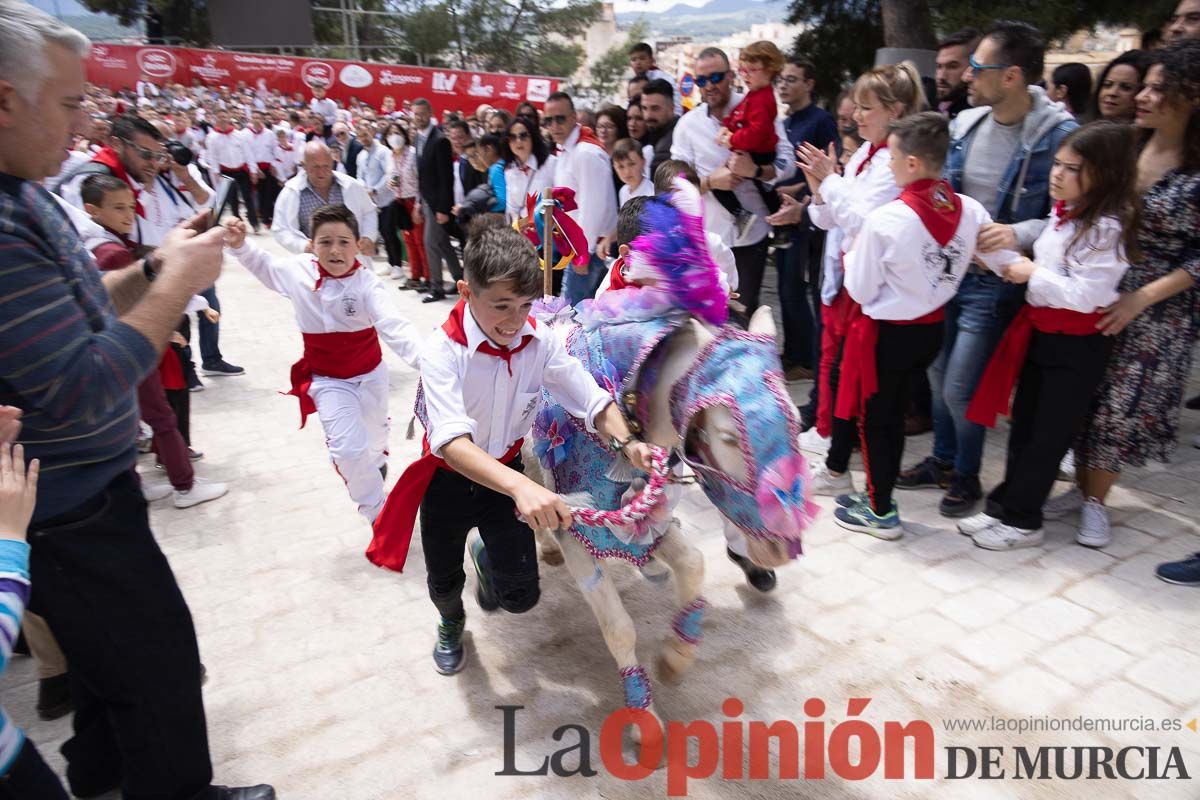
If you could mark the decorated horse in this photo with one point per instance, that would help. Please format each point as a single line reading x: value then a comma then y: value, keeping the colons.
x: 710, y: 394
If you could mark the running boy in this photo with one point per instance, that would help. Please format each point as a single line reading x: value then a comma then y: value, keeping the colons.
x: 482, y: 377
x: 342, y: 311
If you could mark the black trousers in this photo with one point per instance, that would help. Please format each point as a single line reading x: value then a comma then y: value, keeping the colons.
x: 751, y: 262
x: 389, y: 227
x: 452, y: 506
x: 108, y: 594
x: 902, y: 351
x: 29, y: 778
x: 180, y: 401
x: 1060, y: 375
x: 266, y: 190
x: 242, y: 192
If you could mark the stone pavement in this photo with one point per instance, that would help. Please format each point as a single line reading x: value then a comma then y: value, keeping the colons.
x: 320, y: 679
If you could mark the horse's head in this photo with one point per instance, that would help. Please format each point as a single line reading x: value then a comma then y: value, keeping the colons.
x: 740, y: 431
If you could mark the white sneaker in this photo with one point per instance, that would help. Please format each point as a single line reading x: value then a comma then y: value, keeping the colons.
x: 977, y: 523
x: 396, y: 273
x: 1094, y: 528
x: 201, y: 492
x: 156, y: 491
x: 812, y: 442
x: 1063, y: 505
x: 826, y: 484
x: 1006, y: 537
x: 1066, y: 467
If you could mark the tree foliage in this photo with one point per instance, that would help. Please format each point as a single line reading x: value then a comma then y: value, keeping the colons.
x: 841, y: 36
x: 183, y: 21
x: 606, y: 78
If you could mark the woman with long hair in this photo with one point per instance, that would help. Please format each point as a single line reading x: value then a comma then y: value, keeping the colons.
x: 526, y: 165
x: 1118, y: 87
x: 404, y: 212
x: 1135, y: 412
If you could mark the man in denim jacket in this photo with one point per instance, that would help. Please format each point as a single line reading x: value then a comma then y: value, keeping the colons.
x: 1000, y: 154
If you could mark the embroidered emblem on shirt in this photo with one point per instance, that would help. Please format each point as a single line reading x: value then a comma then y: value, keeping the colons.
x: 349, y: 306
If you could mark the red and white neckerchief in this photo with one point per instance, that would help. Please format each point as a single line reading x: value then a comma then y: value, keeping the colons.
x: 323, y: 273
x: 453, y: 326
x: 1063, y: 214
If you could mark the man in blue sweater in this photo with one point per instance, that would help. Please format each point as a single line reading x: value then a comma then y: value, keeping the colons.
x: 73, y: 348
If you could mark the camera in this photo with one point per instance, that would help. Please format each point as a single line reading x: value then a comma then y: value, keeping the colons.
x: 180, y: 152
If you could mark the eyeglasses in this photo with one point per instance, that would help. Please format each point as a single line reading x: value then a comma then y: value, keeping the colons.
x: 704, y: 80
x: 976, y: 66
x: 520, y: 136
x: 147, y: 154
x: 557, y: 119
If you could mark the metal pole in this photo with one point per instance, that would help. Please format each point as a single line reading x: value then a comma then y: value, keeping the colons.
x: 548, y: 246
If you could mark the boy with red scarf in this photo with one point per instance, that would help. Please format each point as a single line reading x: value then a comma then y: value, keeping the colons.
x: 904, y: 266
x: 482, y: 376
x: 343, y: 311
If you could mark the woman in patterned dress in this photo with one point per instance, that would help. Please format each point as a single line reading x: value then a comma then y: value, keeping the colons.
x: 1135, y: 413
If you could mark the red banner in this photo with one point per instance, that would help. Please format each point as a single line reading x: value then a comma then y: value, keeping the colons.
x: 119, y: 66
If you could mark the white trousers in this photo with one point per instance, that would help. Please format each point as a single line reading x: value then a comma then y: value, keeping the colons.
x: 353, y: 412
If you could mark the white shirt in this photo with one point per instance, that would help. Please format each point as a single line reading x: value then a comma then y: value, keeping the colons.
x: 520, y: 183
x: 468, y: 393
x: 146, y: 89
x: 342, y: 305
x: 644, y: 189
x: 374, y: 168
x: 285, y: 163
x: 846, y: 201
x: 326, y: 108
x: 587, y: 169
x: 285, y: 225
x: 897, y: 271
x: 165, y: 204
x: 227, y: 150
x: 695, y: 141
x: 260, y: 147
x: 1084, y: 279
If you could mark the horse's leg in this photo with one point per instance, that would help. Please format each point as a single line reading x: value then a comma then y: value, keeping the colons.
x: 679, y: 651
x: 615, y: 622
x: 547, y: 547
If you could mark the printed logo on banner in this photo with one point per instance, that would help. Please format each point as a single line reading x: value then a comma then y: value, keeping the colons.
x: 389, y: 78
x: 510, y: 90
x: 208, y: 69
x: 156, y: 63
x: 537, y: 90
x: 479, y: 89
x: 314, y: 72
x: 444, y: 83
x: 104, y: 57
x: 355, y: 77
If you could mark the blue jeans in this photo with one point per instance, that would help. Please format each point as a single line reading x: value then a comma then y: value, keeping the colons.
x: 792, y: 266
x: 975, y: 320
x: 210, y: 332
x: 578, y: 287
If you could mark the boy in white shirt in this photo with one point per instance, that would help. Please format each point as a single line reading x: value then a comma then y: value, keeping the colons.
x: 905, y: 264
x: 482, y: 376
x: 630, y: 166
x: 342, y: 311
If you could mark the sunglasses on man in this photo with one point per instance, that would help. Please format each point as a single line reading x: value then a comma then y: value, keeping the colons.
x: 975, y: 65
x: 556, y: 119
x: 145, y: 153
x: 704, y: 80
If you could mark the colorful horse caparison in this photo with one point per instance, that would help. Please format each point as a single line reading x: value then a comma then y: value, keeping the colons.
x: 713, y: 394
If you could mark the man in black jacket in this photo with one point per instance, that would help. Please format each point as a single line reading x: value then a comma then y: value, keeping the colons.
x: 658, y: 109
x: 348, y: 148
x: 466, y: 177
x: 435, y: 180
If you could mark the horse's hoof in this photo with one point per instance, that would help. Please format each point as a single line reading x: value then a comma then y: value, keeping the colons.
x: 655, y: 571
x: 552, y: 557
x: 671, y: 666
x: 761, y: 579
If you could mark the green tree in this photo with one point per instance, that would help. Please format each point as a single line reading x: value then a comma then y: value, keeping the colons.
x: 841, y: 36
x: 532, y: 36
x: 182, y: 20
x: 607, y: 73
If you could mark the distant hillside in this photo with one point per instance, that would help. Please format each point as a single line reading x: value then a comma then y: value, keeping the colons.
x: 715, y: 19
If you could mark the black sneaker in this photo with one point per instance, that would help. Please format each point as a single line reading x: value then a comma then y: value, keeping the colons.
x: 448, y: 653
x: 485, y: 592
x: 929, y: 474
x: 781, y: 237
x: 1180, y: 573
x: 964, y: 494
x: 221, y: 368
x: 193, y: 383
x: 54, y: 697
x: 260, y: 792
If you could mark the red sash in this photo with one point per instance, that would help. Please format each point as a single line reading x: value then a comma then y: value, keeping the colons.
x: 332, y: 355
x: 170, y: 371
x: 860, y: 377
x: 1000, y: 378
x: 264, y: 167
x: 393, y: 528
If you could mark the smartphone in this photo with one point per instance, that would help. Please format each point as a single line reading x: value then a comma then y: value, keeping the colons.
x: 220, y: 199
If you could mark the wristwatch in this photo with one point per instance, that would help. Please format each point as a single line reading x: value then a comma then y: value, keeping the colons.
x: 618, y: 445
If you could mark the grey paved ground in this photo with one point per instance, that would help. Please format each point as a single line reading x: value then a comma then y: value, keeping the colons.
x: 320, y: 675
